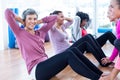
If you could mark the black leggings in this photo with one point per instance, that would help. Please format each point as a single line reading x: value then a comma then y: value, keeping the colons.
x: 94, y: 47
x: 101, y: 40
x: 106, y: 36
x: 73, y: 57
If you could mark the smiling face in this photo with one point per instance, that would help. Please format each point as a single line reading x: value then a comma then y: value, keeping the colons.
x: 29, y: 17
x: 31, y: 21
x: 114, y: 10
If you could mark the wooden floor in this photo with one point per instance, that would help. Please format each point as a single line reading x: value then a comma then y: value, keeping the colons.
x: 12, y: 66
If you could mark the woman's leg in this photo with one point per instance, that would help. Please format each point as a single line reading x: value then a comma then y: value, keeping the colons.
x: 93, y: 47
x: 49, y: 68
x: 106, y: 36
x: 85, y: 45
x: 86, y: 61
x: 89, y: 38
x: 102, y: 55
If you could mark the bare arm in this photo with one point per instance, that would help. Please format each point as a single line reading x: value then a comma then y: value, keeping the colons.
x: 40, y: 21
x: 68, y: 23
x: 111, y: 76
x: 19, y: 19
x: 114, y: 73
x: 68, y: 19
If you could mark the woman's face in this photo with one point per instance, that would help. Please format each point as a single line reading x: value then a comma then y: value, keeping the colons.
x: 113, y: 10
x: 31, y: 21
x: 60, y: 18
x: 84, y: 22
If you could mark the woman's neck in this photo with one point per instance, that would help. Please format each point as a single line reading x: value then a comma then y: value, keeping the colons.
x: 31, y: 31
x: 58, y: 26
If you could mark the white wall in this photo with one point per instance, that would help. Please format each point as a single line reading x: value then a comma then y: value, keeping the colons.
x: 1, y: 29
x: 4, y: 26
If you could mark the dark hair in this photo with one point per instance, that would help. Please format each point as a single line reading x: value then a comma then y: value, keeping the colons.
x: 83, y: 16
x: 55, y: 12
x: 28, y: 11
x: 118, y: 1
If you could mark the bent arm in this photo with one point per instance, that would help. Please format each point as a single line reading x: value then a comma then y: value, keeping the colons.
x: 68, y: 23
x: 40, y: 21
x: 49, y: 22
x: 19, y: 19
x: 76, y: 30
x: 10, y: 18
